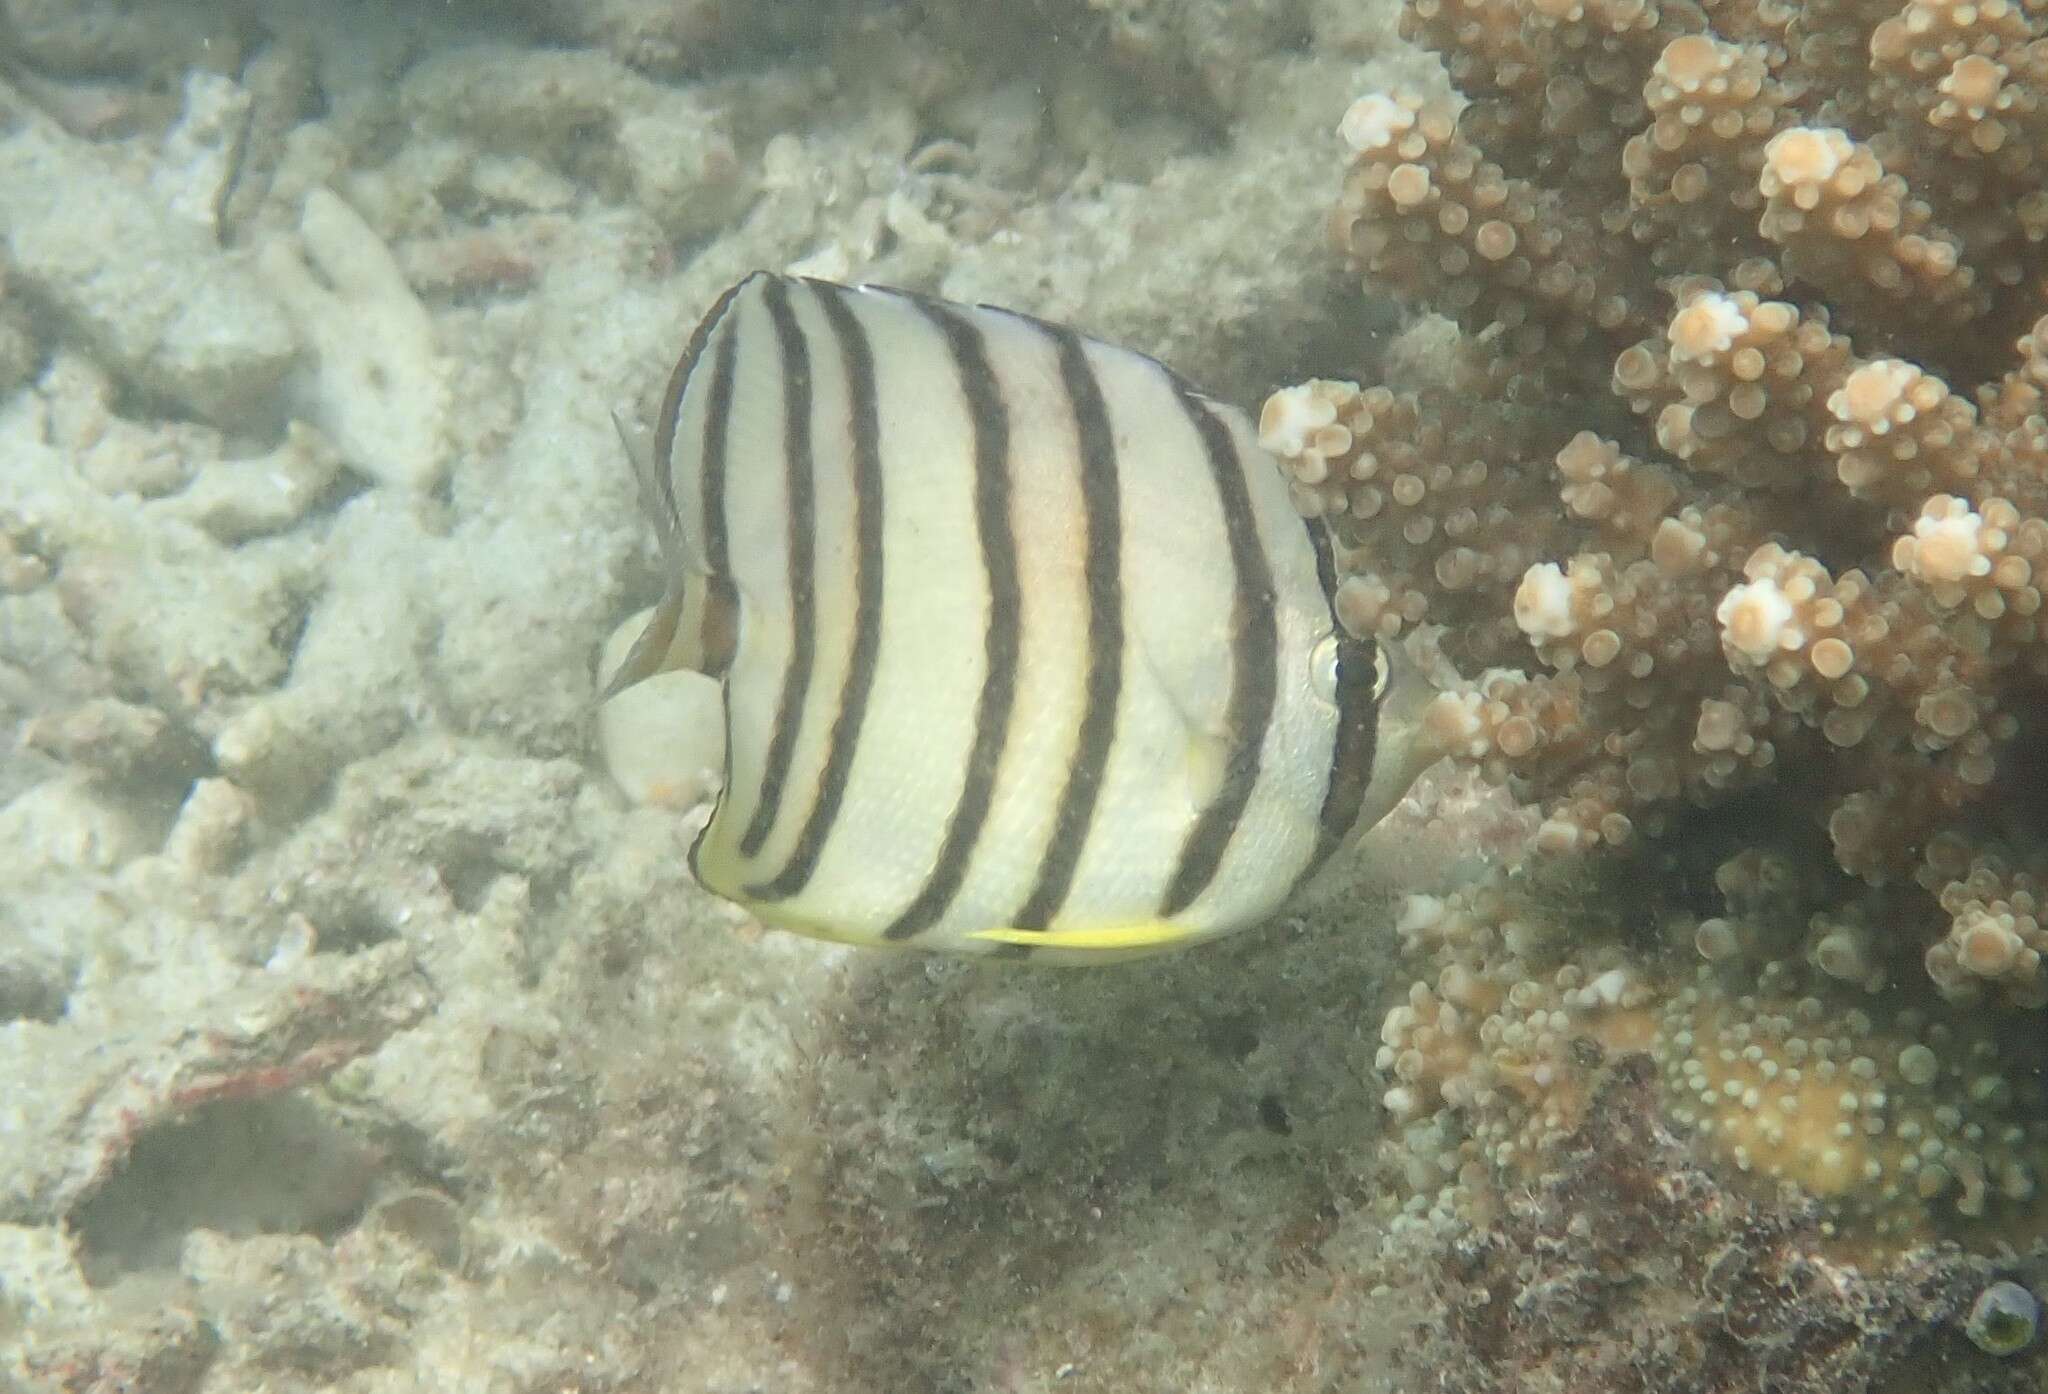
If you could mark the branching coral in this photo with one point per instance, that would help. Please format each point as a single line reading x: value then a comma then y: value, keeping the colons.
x: 1735, y: 487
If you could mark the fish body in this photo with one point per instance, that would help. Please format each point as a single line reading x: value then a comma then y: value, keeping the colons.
x: 1023, y: 646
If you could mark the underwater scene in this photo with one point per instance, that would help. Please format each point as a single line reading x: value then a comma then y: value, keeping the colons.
x: 1019, y: 696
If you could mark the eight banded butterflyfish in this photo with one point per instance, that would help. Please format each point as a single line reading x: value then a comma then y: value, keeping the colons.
x: 1023, y: 646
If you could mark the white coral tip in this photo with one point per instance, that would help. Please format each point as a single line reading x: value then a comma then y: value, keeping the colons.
x: 1543, y: 602
x: 1806, y: 154
x: 1949, y: 545
x: 1373, y: 122
x: 1290, y: 416
x: 1706, y: 328
x: 1754, y: 619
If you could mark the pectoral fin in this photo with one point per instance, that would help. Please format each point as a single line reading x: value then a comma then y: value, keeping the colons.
x: 650, y: 652
x: 695, y: 629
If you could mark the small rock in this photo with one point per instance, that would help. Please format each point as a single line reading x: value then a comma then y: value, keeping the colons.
x: 235, y: 500
x: 2004, y: 1319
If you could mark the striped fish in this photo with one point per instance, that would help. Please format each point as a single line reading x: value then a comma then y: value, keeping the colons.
x: 1024, y: 648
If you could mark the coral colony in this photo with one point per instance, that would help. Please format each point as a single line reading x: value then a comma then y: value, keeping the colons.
x: 1731, y: 496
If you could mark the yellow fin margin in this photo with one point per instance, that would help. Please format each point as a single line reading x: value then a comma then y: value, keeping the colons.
x: 1150, y: 934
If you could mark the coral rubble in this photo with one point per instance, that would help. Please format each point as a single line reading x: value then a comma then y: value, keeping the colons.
x: 1731, y: 492
x: 380, y: 385
x: 185, y: 322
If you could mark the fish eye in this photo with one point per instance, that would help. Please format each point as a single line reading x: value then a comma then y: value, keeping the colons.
x: 1322, y: 669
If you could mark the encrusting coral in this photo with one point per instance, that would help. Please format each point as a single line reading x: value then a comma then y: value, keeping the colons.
x: 1732, y: 498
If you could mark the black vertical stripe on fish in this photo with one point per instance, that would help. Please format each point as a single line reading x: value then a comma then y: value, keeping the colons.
x: 801, y: 541
x: 722, y: 598
x: 672, y: 407
x: 717, y: 561
x: 1003, y: 625
x: 1102, y: 572
x: 1357, y: 734
x: 697, y: 842
x: 857, y: 357
x: 1254, y: 655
